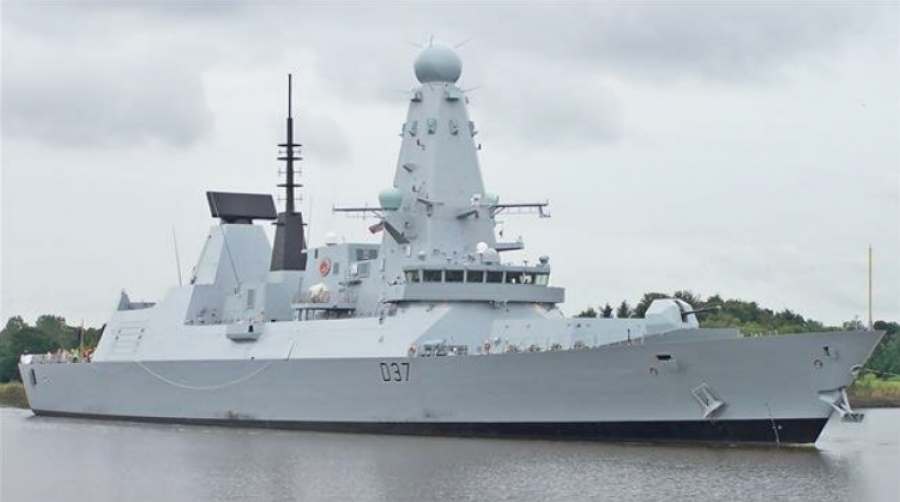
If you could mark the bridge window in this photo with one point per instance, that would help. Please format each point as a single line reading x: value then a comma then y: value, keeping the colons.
x: 453, y: 276
x: 541, y: 279
x: 412, y: 276
x: 432, y: 275
x: 366, y: 254
x: 494, y: 277
x: 514, y: 277
x: 475, y: 276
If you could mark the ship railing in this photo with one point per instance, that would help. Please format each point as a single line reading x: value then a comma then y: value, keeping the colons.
x: 501, y: 345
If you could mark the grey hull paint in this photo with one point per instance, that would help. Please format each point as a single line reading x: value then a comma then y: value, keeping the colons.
x: 611, y: 385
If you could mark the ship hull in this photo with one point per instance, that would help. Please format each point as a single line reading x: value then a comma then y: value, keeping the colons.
x: 790, y: 431
x: 769, y: 387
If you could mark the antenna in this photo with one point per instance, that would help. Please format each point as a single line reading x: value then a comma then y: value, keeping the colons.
x: 289, y: 155
x: 464, y: 42
x: 177, y: 258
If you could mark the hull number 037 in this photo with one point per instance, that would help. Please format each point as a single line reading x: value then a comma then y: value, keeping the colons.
x: 395, y: 372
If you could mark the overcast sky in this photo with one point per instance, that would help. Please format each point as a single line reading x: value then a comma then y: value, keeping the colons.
x: 750, y: 151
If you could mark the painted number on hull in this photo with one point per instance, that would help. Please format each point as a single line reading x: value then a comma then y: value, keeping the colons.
x: 395, y: 372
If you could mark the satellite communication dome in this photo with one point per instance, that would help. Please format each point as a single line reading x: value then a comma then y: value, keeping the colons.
x: 490, y: 256
x: 390, y: 199
x: 481, y: 247
x: 438, y: 63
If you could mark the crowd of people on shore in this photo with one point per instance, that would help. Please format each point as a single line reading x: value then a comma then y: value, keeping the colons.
x: 74, y: 355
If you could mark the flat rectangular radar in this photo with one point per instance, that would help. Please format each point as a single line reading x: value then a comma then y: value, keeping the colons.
x: 241, y: 207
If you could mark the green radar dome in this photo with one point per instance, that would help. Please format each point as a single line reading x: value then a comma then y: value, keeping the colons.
x: 390, y: 199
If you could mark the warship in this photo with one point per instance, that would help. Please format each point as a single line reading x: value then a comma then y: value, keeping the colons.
x: 432, y: 331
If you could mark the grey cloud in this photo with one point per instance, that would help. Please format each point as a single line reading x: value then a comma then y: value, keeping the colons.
x: 714, y: 41
x: 324, y: 140
x: 118, y: 88
x: 560, y: 109
x: 134, y: 73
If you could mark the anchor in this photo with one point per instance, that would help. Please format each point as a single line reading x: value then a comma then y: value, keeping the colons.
x: 837, y: 399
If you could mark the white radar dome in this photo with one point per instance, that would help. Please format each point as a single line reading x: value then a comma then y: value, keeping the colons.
x: 481, y: 247
x: 490, y: 256
x: 438, y: 63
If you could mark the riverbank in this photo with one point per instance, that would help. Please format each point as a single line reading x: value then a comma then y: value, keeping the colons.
x: 12, y: 394
x: 870, y: 392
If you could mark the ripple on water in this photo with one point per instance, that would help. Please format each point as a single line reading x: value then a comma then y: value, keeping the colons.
x: 111, y: 461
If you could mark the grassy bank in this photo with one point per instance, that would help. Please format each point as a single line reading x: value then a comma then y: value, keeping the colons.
x: 13, y: 394
x: 870, y: 392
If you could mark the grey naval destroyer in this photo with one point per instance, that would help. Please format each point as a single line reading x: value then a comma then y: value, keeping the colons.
x: 432, y: 331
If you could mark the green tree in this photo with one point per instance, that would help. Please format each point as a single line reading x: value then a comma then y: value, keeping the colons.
x: 56, y: 328
x: 15, y: 323
x: 607, y: 311
x: 589, y: 312
x: 92, y: 336
x: 27, y: 340
x: 624, y: 311
x: 885, y: 361
x: 690, y: 298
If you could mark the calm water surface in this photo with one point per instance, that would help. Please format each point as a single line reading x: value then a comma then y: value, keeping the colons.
x: 49, y: 459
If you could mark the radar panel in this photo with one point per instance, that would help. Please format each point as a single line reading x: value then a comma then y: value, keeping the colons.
x: 241, y: 207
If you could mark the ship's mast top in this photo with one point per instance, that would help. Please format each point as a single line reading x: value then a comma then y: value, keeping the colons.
x: 290, y: 155
x: 289, y: 251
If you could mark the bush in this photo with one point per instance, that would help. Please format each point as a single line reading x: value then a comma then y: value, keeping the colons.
x: 13, y: 394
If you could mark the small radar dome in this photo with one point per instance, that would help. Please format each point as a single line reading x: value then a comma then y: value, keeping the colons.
x: 481, y: 247
x: 490, y: 256
x: 390, y: 199
x: 331, y: 239
x: 438, y: 63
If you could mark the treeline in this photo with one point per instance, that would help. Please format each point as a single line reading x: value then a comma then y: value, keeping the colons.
x: 752, y: 319
x: 49, y: 334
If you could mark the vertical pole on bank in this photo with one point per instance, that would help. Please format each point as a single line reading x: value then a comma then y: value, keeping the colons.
x: 871, y: 323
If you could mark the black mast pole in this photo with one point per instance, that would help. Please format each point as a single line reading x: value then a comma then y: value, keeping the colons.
x: 289, y: 202
x: 289, y: 251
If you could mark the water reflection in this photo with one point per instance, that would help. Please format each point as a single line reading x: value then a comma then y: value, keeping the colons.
x: 105, y: 461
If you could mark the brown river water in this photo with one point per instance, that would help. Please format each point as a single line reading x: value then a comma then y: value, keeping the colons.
x: 50, y: 459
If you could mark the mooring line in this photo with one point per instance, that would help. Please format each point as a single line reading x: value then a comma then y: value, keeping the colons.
x: 201, y: 387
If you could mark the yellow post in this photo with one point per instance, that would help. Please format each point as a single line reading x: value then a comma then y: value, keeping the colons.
x: 871, y: 324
